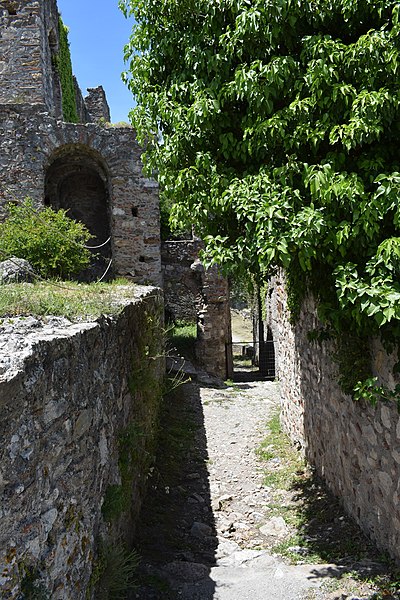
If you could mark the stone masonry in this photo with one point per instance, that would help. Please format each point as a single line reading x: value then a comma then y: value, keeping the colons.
x: 68, y: 392
x: 354, y: 446
x: 91, y: 169
x: 28, y: 40
x: 195, y: 294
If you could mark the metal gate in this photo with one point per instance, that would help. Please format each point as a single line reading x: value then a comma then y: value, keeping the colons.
x: 257, y: 356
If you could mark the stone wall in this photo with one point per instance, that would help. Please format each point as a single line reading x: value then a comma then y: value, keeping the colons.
x: 97, y: 105
x: 181, y: 284
x: 71, y: 396
x: 355, y: 447
x: 29, y: 38
x: 81, y: 108
x: 199, y: 295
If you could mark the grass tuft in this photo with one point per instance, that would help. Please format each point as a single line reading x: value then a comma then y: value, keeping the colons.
x: 182, y: 337
x: 282, y: 462
x: 320, y: 530
x: 75, y: 301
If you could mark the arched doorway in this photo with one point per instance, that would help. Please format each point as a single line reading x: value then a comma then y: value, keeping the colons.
x: 77, y: 181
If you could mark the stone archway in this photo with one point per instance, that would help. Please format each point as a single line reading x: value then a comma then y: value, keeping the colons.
x: 76, y: 180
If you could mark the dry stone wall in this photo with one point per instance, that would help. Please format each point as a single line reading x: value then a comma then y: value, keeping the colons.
x: 29, y: 36
x: 68, y: 392
x: 199, y: 295
x: 355, y: 447
x: 81, y: 107
x: 181, y: 284
x: 97, y: 105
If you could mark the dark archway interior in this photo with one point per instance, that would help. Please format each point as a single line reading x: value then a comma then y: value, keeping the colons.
x: 77, y: 182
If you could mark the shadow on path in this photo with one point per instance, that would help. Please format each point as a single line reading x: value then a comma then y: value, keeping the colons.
x: 326, y: 531
x: 176, y: 535
x: 242, y: 375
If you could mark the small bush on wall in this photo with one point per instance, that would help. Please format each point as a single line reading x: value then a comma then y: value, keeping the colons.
x: 53, y: 243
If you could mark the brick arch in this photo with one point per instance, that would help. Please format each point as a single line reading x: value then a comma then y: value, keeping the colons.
x: 77, y: 180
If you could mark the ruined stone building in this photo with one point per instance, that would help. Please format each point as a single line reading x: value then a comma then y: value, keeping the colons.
x: 88, y: 167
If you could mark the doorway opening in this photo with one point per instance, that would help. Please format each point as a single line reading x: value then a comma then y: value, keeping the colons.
x: 77, y: 181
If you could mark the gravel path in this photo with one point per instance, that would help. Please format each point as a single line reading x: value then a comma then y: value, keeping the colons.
x: 205, y: 526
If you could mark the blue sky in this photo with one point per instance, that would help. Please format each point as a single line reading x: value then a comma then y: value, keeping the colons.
x: 98, y: 33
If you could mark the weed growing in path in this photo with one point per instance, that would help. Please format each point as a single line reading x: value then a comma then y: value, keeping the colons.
x: 282, y: 462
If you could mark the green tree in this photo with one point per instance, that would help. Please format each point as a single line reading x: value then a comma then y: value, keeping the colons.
x: 274, y: 126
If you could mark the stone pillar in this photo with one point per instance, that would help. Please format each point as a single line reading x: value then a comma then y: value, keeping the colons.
x: 97, y: 105
x: 214, y: 335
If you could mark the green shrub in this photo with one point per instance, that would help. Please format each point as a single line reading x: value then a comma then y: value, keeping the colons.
x: 53, y: 243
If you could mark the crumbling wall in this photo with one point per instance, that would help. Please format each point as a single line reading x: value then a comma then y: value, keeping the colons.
x: 193, y: 293
x: 71, y: 396
x: 29, y: 49
x: 97, y: 105
x: 32, y: 139
x: 354, y: 446
x: 181, y: 285
x: 81, y: 108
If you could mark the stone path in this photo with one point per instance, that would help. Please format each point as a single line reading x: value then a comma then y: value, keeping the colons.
x: 205, y: 525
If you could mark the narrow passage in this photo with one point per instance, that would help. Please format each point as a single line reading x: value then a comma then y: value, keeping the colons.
x: 205, y: 528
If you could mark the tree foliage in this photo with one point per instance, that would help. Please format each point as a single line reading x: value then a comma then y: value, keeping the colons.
x: 274, y: 126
